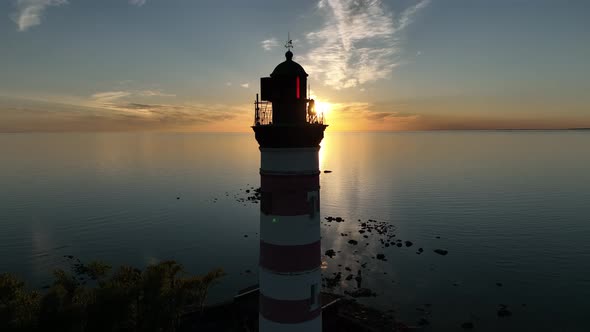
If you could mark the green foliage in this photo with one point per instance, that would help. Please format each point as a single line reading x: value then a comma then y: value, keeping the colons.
x: 18, y: 307
x: 126, y: 300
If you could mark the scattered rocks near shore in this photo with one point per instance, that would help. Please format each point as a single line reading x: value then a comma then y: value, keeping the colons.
x: 361, y: 292
x: 441, y: 252
x: 467, y: 325
x: 330, y: 253
x: 245, y: 195
x: 503, y: 311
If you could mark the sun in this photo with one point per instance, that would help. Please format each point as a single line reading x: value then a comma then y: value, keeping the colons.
x: 323, y: 107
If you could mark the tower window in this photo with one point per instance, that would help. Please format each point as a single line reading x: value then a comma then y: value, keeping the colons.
x: 313, y: 299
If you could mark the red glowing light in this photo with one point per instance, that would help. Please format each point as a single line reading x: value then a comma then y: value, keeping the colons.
x: 298, y: 94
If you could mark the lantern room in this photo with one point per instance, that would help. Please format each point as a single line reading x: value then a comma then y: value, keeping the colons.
x: 286, y: 90
x: 285, y: 117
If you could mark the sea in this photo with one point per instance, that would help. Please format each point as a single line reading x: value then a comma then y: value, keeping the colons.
x: 511, y: 208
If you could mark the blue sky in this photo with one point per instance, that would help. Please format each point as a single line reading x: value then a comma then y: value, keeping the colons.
x: 379, y: 65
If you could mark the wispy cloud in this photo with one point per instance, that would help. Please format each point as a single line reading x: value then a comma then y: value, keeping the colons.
x: 269, y: 44
x: 23, y: 115
x: 358, y: 43
x: 137, y: 3
x: 29, y: 12
x: 245, y: 85
x: 154, y: 93
x: 108, y: 97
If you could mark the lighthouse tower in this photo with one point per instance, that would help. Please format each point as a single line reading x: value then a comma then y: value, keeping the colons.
x: 289, y: 133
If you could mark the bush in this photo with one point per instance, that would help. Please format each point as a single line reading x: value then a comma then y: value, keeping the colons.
x: 91, y: 298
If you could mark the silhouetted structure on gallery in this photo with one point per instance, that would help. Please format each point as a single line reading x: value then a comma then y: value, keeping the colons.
x: 289, y: 133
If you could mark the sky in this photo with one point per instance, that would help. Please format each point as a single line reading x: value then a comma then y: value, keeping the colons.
x: 373, y: 65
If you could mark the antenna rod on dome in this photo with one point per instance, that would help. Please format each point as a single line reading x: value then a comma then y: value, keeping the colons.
x: 289, y: 43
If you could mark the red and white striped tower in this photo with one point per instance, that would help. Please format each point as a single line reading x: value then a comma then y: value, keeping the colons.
x: 289, y: 133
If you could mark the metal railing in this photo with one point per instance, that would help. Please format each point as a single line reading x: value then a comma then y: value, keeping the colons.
x: 263, y: 113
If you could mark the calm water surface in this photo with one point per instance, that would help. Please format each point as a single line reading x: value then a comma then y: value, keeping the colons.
x: 510, y: 207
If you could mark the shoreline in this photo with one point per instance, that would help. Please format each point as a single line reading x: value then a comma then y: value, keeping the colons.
x: 339, y: 313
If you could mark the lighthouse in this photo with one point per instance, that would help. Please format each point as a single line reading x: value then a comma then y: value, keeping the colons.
x: 289, y: 133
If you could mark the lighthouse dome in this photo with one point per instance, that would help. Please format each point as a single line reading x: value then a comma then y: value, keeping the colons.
x: 288, y: 67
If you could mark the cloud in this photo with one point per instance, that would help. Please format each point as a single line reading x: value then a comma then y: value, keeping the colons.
x: 24, y: 115
x: 269, y: 44
x: 154, y: 93
x: 137, y: 3
x: 245, y: 85
x: 108, y: 97
x: 29, y: 12
x: 358, y: 42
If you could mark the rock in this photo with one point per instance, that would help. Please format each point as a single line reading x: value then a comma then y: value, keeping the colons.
x: 423, y: 322
x: 349, y: 277
x: 361, y: 231
x: 358, y: 279
x: 408, y: 243
x: 438, y: 237
x: 441, y: 251
x: 327, y: 171
x: 361, y: 292
x: 420, y: 249
x: 245, y: 235
x: 366, y: 236
x: 248, y: 271
x: 347, y: 268
x: 353, y: 242
x: 399, y: 244
x: 177, y: 197
x: 467, y: 325
x: 499, y: 284
x: 381, y: 257
x: 330, y: 253
x: 339, y: 219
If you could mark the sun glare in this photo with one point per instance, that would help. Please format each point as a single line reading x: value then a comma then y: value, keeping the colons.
x: 323, y: 107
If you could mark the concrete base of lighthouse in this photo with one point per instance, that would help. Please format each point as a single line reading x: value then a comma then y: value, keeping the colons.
x: 310, y: 325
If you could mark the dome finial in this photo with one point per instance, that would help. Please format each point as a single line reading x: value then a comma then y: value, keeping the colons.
x: 289, y: 46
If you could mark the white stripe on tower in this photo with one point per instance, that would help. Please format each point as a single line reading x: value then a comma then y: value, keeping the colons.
x: 290, y: 250
x: 291, y: 160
